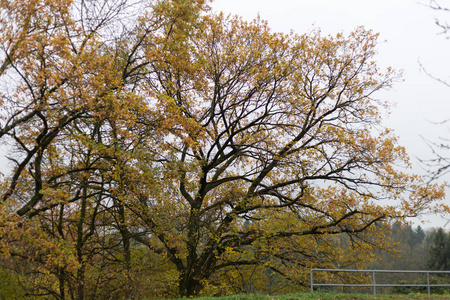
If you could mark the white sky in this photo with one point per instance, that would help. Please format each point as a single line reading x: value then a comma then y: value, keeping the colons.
x: 408, y: 35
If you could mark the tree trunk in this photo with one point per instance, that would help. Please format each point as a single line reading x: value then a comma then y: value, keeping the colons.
x: 80, y: 283
x: 62, y: 285
x: 189, y: 286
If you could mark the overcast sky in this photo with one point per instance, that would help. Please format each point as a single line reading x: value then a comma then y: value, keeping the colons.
x: 408, y: 37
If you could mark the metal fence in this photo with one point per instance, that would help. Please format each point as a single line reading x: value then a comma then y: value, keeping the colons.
x: 374, y: 284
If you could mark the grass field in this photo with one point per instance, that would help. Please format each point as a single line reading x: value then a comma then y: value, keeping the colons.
x: 326, y: 296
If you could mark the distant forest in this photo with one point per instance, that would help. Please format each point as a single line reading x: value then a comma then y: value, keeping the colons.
x: 414, y: 249
x: 418, y: 249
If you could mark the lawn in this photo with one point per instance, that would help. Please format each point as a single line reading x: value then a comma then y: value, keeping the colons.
x: 327, y: 296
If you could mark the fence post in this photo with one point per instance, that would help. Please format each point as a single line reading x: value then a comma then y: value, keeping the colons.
x: 311, y: 279
x: 374, y: 284
x: 428, y: 283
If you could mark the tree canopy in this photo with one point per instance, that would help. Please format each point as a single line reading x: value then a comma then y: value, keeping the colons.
x: 210, y: 141
x: 440, y: 251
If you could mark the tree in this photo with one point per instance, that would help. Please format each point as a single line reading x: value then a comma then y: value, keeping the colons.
x: 213, y: 141
x: 440, y: 251
x: 66, y: 114
x: 419, y: 235
x: 265, y: 120
x: 436, y: 5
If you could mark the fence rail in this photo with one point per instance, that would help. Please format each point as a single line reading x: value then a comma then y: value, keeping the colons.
x: 374, y: 284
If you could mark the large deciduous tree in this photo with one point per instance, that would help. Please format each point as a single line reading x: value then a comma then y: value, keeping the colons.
x: 213, y: 141
x: 276, y: 146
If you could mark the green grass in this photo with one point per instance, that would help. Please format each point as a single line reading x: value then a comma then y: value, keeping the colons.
x: 326, y: 296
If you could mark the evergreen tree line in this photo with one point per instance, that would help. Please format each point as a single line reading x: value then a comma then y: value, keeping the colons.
x: 417, y: 249
x: 413, y: 249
